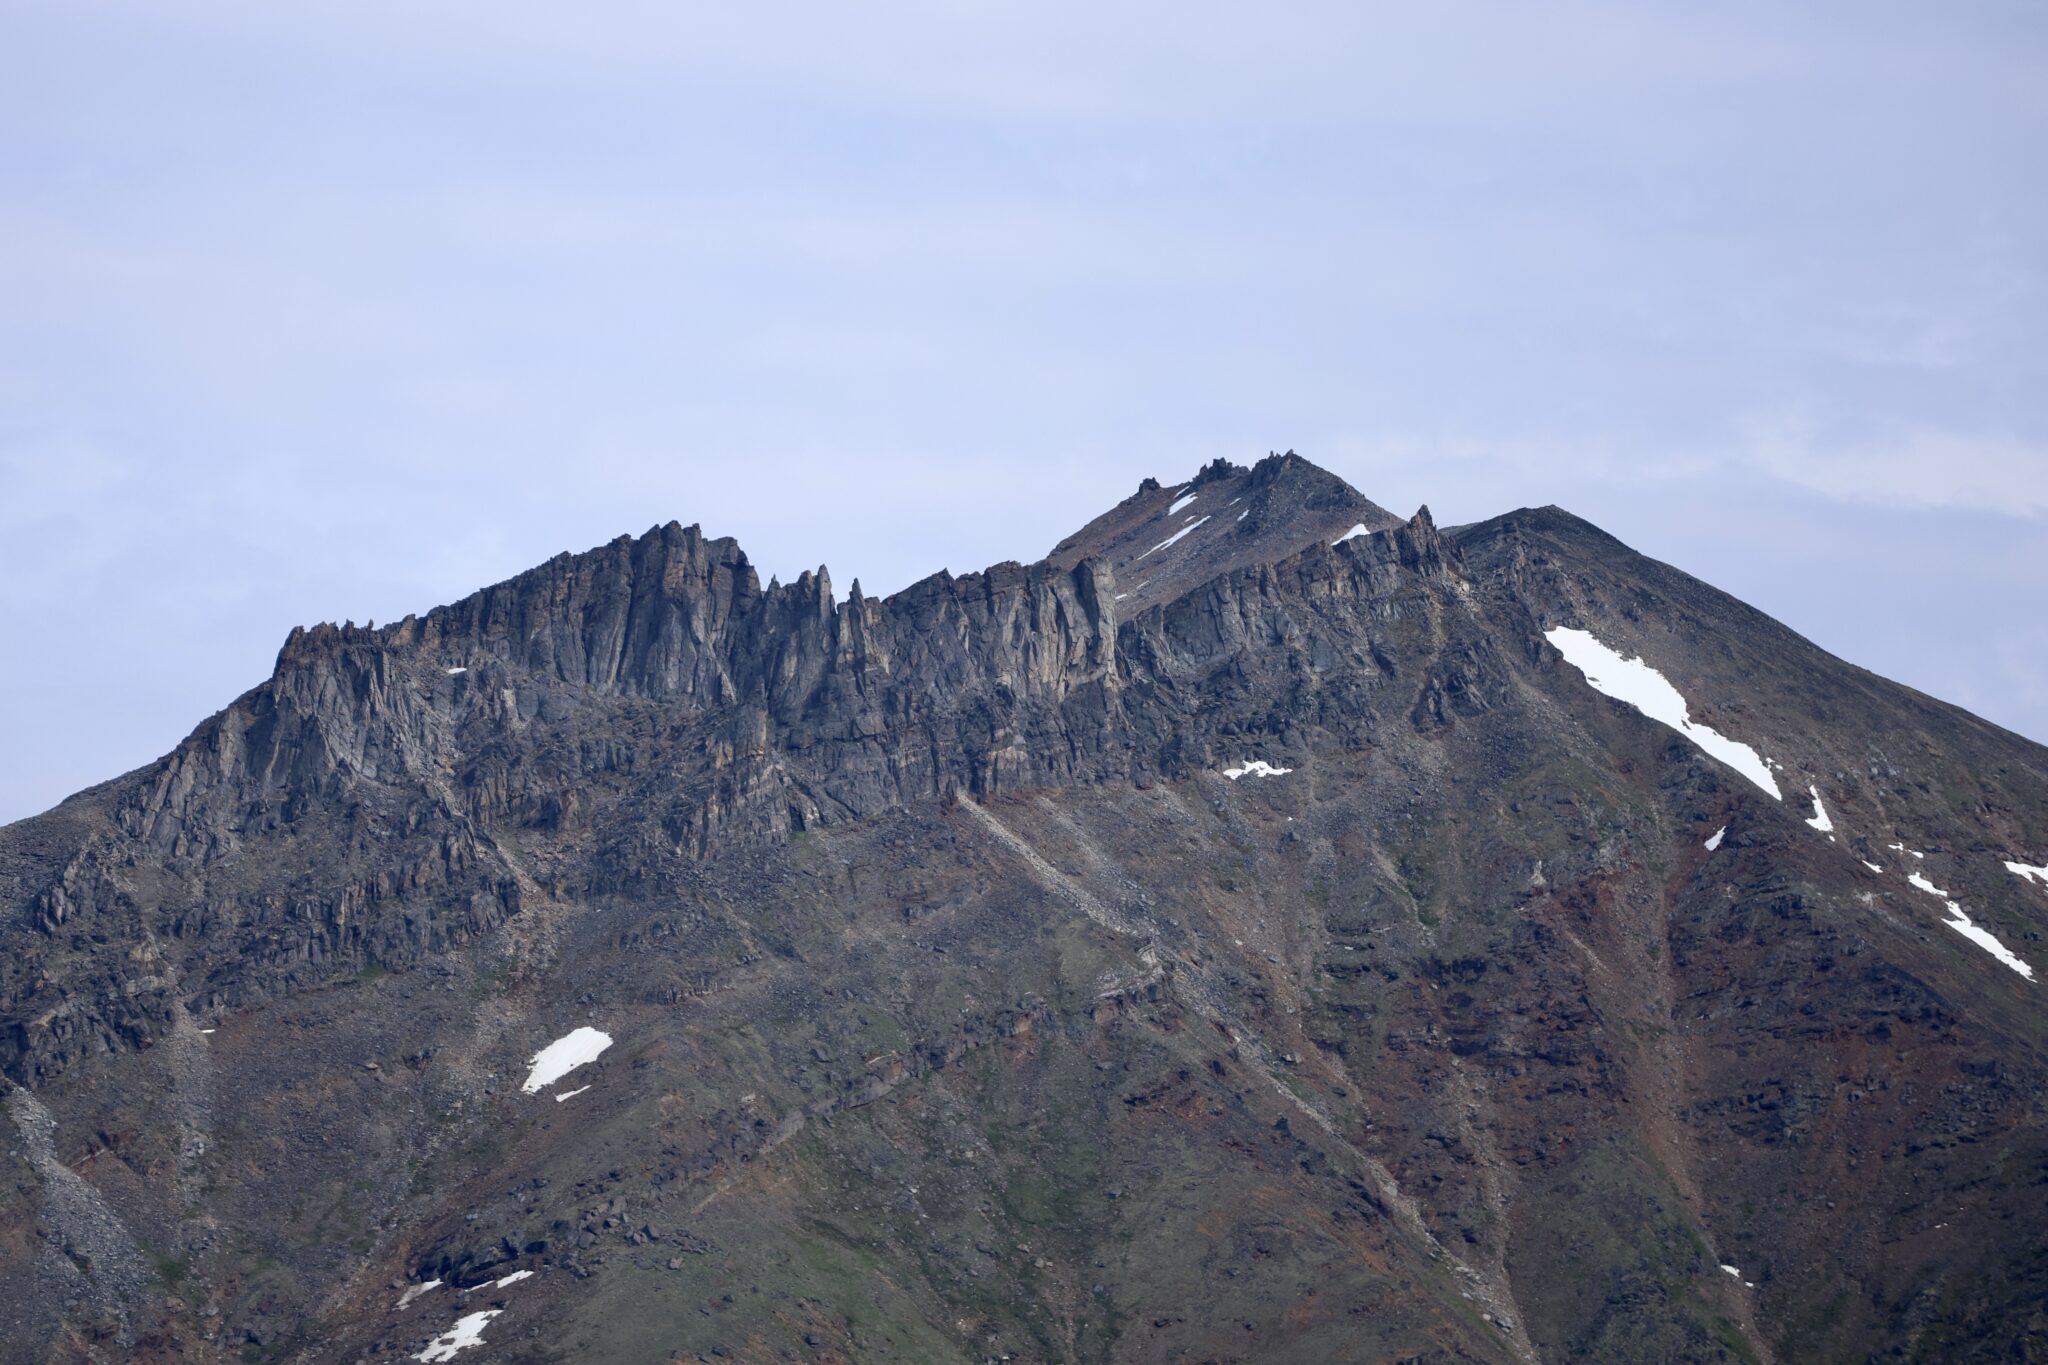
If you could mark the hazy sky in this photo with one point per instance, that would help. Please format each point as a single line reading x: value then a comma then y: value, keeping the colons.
x: 325, y: 310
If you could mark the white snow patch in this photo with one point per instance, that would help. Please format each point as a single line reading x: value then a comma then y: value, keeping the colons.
x: 1820, y: 819
x: 1715, y: 842
x: 1256, y: 767
x: 467, y: 1332
x: 1172, y: 538
x: 571, y: 1094
x: 1245, y: 513
x: 1963, y: 925
x: 1731, y: 1270
x: 2031, y: 874
x: 207, y: 1030
x: 453, y: 671
x: 1358, y: 530
x: 415, y: 1291
x: 563, y: 1056
x: 1120, y: 596
x: 1179, y: 503
x: 1643, y: 687
x: 1903, y: 849
x: 1986, y: 940
x: 514, y: 1278
x: 1872, y: 866
x: 1929, y: 887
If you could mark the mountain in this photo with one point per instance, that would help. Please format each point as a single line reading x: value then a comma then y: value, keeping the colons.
x: 1263, y: 930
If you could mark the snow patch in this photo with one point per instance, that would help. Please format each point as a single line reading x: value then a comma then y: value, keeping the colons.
x: 1179, y: 503
x: 1172, y: 538
x: 2030, y: 874
x: 1929, y: 887
x: 571, y: 1094
x: 1643, y: 687
x: 1358, y: 530
x: 467, y: 1332
x: 1715, y: 842
x: 1255, y: 767
x: 514, y: 1278
x: 1872, y: 866
x: 1962, y: 924
x: 1820, y: 819
x: 1245, y: 513
x: 1903, y: 849
x: 1731, y: 1270
x: 415, y: 1291
x: 1986, y: 940
x: 453, y: 671
x: 563, y: 1056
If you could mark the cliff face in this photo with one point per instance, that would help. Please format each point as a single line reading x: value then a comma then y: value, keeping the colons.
x: 1239, y: 935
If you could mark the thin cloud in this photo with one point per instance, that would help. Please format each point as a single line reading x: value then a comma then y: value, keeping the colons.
x: 1934, y: 469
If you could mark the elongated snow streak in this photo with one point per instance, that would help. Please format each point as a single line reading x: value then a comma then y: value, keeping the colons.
x: 1872, y: 866
x: 1962, y: 924
x: 514, y: 1278
x: 1986, y: 940
x: 2031, y: 874
x: 1643, y: 687
x: 415, y: 1291
x: 1929, y: 887
x: 468, y: 1331
x: 1820, y: 819
x: 1181, y: 502
x: 571, y: 1094
x: 1172, y: 538
x: 1715, y: 842
x: 453, y: 671
x: 563, y: 1056
x: 1358, y: 530
x: 1256, y: 767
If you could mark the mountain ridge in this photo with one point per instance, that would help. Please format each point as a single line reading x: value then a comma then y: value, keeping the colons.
x: 1314, y: 881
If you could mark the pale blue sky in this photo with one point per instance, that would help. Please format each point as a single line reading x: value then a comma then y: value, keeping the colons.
x: 331, y: 310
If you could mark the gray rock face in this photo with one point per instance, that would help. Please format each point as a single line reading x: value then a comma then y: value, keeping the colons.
x: 1080, y: 960
x: 778, y: 710
x: 1161, y: 542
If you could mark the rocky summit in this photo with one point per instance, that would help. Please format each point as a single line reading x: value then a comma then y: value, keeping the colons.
x: 1266, y: 929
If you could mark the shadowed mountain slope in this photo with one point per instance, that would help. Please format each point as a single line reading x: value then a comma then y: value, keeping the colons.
x: 1277, y: 944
